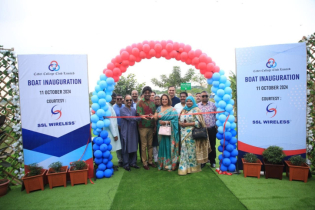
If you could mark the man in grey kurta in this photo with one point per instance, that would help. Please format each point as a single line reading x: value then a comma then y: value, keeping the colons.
x: 129, y: 135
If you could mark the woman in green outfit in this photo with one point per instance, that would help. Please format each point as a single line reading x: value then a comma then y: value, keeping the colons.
x: 168, y: 145
x: 193, y: 153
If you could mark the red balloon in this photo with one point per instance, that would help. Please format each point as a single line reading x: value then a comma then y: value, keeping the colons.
x: 152, y: 44
x: 113, y: 60
x: 183, y: 56
x: 134, y: 45
x: 202, y: 71
x: 148, y: 56
x: 158, y: 55
x: 188, y: 61
x: 118, y: 59
x: 122, y: 50
x: 169, y: 47
x: 152, y: 52
x: 163, y: 43
x: 194, y: 61
x: 146, y: 48
x: 132, y: 58
x: 116, y: 79
x: 202, y: 66
x: 209, y: 60
x: 164, y: 53
x: 169, y: 41
x: 216, y: 69
x: 175, y: 46
x: 210, y: 67
x: 158, y: 47
x: 191, y: 54
x: 116, y: 72
x: 125, y: 63
x: 145, y: 42
x: 173, y: 54
x: 125, y: 55
x: 109, y: 73
x: 180, y: 50
x: 178, y: 57
x: 104, y: 71
x: 187, y: 48
x: 198, y: 53
x: 117, y: 64
x: 139, y: 46
x: 123, y: 69
x: 110, y: 66
x: 135, y: 51
x: 143, y: 55
x: 129, y: 49
x: 93, y: 111
x: 208, y: 75
x: 203, y: 58
x: 132, y: 63
x: 138, y: 59
x: 182, y: 45
x: 168, y: 57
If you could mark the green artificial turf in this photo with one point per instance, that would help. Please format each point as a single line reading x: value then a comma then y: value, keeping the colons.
x: 153, y: 189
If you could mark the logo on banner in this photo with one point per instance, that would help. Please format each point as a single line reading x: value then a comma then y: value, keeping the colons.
x: 271, y: 110
x: 56, y: 112
x: 271, y: 63
x: 53, y: 66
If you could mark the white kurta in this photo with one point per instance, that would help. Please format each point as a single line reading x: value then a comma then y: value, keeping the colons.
x: 113, y: 130
x: 179, y: 107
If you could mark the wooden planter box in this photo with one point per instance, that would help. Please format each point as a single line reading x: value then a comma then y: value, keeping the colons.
x: 252, y: 169
x: 273, y: 170
x: 32, y: 183
x: 57, y: 179
x: 4, y: 187
x: 78, y: 176
x: 297, y: 172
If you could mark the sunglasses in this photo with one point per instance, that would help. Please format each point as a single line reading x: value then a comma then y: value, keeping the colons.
x: 128, y: 100
x: 205, y: 96
x: 119, y: 99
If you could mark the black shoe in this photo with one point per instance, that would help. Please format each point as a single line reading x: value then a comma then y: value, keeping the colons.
x: 127, y: 168
x: 135, y: 166
x: 120, y: 164
x: 203, y: 165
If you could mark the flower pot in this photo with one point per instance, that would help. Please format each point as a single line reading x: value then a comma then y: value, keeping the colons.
x: 4, y: 185
x: 297, y: 172
x: 78, y: 176
x: 32, y: 183
x: 251, y: 169
x: 57, y: 179
x: 273, y: 170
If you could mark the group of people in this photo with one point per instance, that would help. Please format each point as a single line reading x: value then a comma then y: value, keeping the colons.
x: 141, y: 122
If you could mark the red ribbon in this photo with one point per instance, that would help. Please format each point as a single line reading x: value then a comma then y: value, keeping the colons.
x: 198, y: 113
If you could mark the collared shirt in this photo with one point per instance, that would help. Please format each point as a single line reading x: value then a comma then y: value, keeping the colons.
x: 210, y: 119
x: 179, y: 107
x: 175, y: 101
x: 117, y: 111
x: 146, y: 108
x: 134, y: 105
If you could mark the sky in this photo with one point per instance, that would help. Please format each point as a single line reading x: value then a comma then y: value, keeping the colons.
x: 101, y: 29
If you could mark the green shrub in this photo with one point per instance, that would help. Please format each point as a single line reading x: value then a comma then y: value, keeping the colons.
x: 274, y: 155
x: 78, y: 165
x: 56, y: 166
x: 250, y: 158
x: 34, y: 169
x: 297, y: 160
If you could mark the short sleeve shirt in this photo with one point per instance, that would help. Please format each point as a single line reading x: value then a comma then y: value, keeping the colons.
x: 146, y: 108
x: 209, y: 118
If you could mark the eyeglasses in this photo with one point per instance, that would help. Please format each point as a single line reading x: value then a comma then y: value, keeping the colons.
x: 119, y: 99
x: 205, y: 96
x: 128, y: 100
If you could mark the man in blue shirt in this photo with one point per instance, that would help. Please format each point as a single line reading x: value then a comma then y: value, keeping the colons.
x: 171, y: 93
x: 117, y: 108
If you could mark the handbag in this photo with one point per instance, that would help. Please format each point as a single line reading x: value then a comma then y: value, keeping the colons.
x: 165, y: 130
x: 199, y: 133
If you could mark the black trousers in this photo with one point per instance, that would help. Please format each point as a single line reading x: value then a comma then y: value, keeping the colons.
x: 212, y: 132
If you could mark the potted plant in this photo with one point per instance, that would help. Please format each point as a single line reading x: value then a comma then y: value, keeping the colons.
x: 78, y: 172
x: 4, y: 183
x: 34, y: 179
x: 251, y: 165
x: 57, y: 175
x: 273, y: 161
x: 297, y: 169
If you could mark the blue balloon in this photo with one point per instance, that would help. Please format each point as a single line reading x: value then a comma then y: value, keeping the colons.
x: 105, y: 160
x: 218, y: 123
x: 96, y: 147
x: 216, y: 84
x: 109, y: 147
x: 103, y: 147
x: 231, y: 168
x: 108, y: 92
x: 228, y: 90
x: 220, y: 157
x: 108, y: 173
x: 93, y: 126
x: 222, y: 86
x: 217, y: 98
x: 110, y: 87
x: 222, y: 142
x: 94, y: 99
x: 227, y: 98
x: 220, y: 148
x: 104, y: 134
x: 223, y: 168
x: 94, y: 93
x: 109, y: 164
x: 101, y: 94
x: 233, y: 140
x: 209, y: 81
x: 214, y: 89
x: 98, y: 161
x: 222, y: 79
x: 100, y: 124
x: 233, y: 160
x: 219, y: 136
x: 222, y: 104
x: 229, y: 107
x: 227, y: 83
x: 228, y: 135
x: 98, y: 82
x: 110, y: 157
x: 103, y: 77
x: 106, y: 154
x: 95, y: 106
x: 108, y: 98
x: 107, y: 141
x: 99, y: 174
x: 229, y: 147
x: 231, y: 119
x: 233, y: 132
x: 108, y: 113
x: 102, y: 102
x: 226, y: 161
x: 220, y: 93
x: 105, y: 107
x: 103, y: 85
x: 100, y: 113
x: 97, y: 88
x: 226, y: 154
x: 216, y: 76
x: 234, y: 153
x: 98, y: 154
x: 94, y: 118
x: 216, y: 104
x: 95, y: 132
x: 231, y: 102
x: 220, y: 129
x: 222, y: 118
x: 110, y: 81
x: 227, y: 125
x: 106, y: 123
x: 98, y: 141
x: 233, y: 125
x: 221, y: 72
x: 102, y: 167
x: 98, y: 130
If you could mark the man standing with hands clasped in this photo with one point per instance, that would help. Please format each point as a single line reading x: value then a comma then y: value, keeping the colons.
x: 146, y: 109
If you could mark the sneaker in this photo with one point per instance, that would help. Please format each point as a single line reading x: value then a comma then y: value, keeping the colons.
x: 213, y: 165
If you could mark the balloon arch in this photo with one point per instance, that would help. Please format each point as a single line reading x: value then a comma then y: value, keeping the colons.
x: 167, y: 49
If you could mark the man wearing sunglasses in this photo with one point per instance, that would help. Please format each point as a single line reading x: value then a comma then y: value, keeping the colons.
x: 119, y: 104
x: 207, y: 106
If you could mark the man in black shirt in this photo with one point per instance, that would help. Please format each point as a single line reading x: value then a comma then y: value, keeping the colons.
x: 171, y: 93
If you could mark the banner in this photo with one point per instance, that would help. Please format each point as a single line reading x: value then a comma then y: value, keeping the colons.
x: 55, y: 115
x: 271, y: 98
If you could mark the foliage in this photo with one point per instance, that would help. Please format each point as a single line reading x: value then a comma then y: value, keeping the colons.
x: 274, y: 155
x: 127, y: 84
x: 234, y: 92
x: 78, y: 165
x: 34, y: 169
x: 310, y: 141
x: 56, y: 166
x: 250, y: 158
x: 297, y: 160
x: 200, y: 80
x: 174, y: 79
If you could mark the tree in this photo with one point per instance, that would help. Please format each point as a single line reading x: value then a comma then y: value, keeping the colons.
x: 127, y: 84
x: 200, y: 79
x: 174, y: 79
